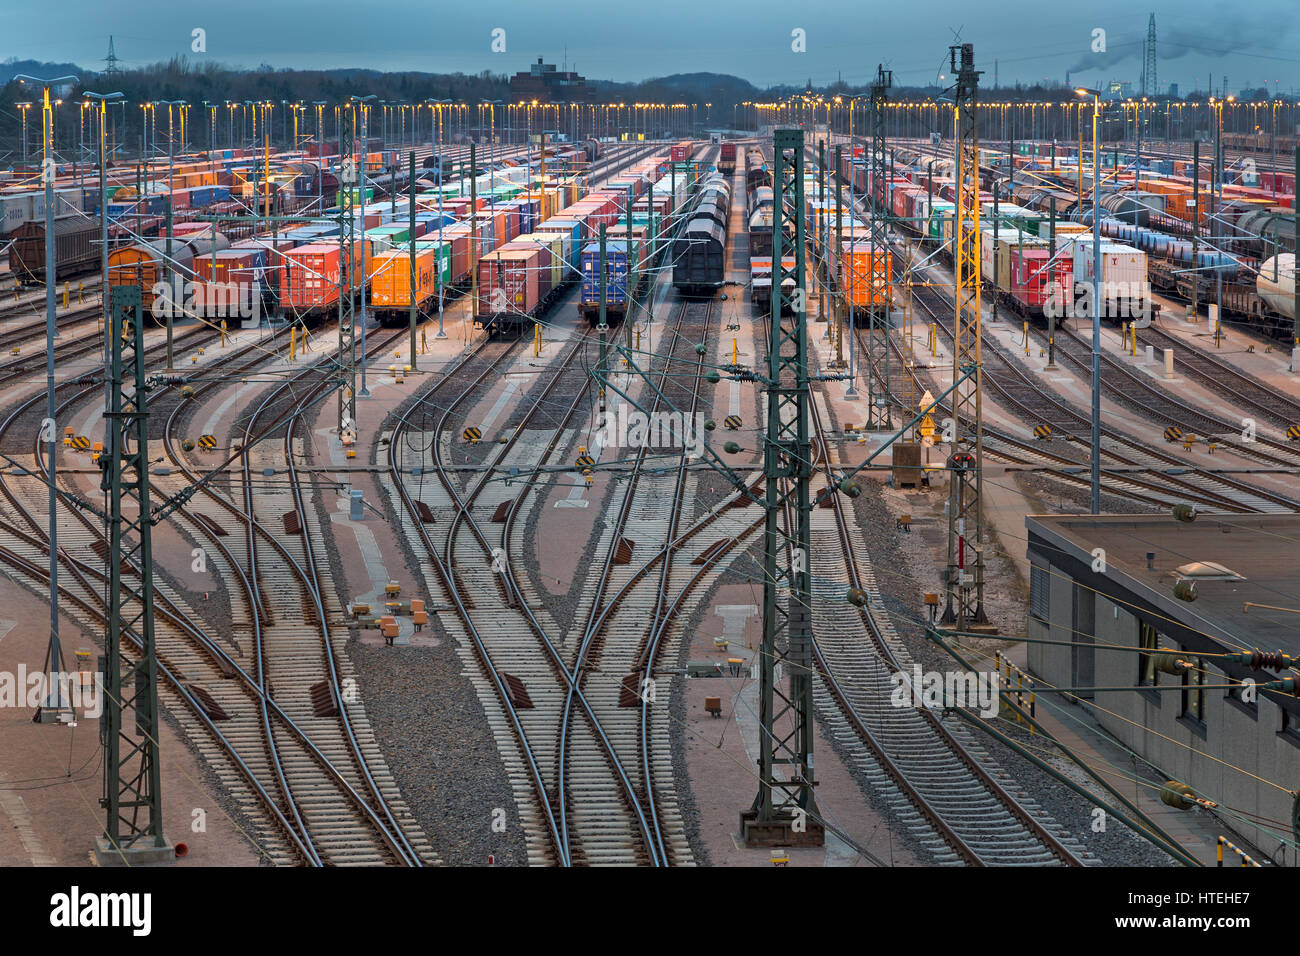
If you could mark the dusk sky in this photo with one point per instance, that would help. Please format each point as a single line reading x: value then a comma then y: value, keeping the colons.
x: 1253, y: 43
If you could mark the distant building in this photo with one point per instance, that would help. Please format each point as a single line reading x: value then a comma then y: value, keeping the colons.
x: 1119, y: 90
x: 1173, y: 91
x: 543, y: 82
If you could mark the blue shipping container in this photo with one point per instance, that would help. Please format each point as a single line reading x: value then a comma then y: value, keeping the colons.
x: 616, y: 270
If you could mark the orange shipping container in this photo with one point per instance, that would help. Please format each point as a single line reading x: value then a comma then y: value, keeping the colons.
x: 390, y: 287
x: 864, y: 285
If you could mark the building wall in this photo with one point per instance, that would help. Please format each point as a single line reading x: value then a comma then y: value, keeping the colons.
x: 1148, y: 722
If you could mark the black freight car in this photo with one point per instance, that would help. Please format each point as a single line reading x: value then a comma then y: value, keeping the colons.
x: 76, y: 249
x: 699, y: 259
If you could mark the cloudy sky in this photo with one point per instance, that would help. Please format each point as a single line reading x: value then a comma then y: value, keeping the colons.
x: 1253, y: 42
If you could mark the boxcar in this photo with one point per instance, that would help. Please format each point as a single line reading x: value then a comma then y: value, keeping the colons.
x: 76, y: 249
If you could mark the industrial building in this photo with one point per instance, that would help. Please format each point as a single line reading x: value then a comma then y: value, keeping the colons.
x: 1109, y: 581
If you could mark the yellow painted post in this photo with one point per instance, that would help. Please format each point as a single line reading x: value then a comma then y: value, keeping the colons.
x: 1218, y: 851
x: 81, y: 288
x: 638, y: 339
x: 735, y: 352
x: 424, y: 345
x: 1026, y: 338
x: 67, y: 293
x: 293, y: 342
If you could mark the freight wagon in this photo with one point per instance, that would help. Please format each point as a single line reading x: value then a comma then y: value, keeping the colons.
x: 699, y: 252
x: 727, y: 158
x: 514, y: 283
x: 390, y: 280
x: 621, y: 281
x: 145, y: 264
x: 76, y: 249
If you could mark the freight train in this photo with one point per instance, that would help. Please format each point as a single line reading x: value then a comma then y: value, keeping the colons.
x: 699, y: 257
x: 727, y: 159
x: 1154, y: 219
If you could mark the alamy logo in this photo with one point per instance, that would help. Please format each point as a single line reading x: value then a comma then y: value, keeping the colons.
x: 633, y: 428
x: 82, y: 690
x: 1120, y: 300
x: 217, y: 300
x: 970, y: 689
x: 74, y: 909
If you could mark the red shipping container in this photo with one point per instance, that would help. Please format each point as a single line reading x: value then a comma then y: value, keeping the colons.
x: 1032, y: 279
x: 509, y: 282
x: 310, y: 278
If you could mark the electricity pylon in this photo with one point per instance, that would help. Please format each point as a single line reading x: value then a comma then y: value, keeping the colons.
x: 784, y: 811
x: 965, y: 573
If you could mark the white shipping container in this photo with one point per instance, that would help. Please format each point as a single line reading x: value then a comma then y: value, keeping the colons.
x: 68, y: 201
x: 1123, y: 274
x: 15, y: 209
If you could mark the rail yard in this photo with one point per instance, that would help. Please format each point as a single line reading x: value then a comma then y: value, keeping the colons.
x: 880, y: 474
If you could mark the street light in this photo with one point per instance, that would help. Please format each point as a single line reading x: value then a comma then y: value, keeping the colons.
x: 53, y: 703
x: 365, y: 132
x: 1095, y: 444
x: 171, y: 277
x: 103, y: 99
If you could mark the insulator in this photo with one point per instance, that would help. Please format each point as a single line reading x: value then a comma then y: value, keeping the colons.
x: 1177, y: 795
x: 1184, y: 512
x: 1185, y: 591
x: 857, y: 597
x: 1170, y: 663
x: 712, y: 376
x: 850, y: 488
x: 731, y: 448
x: 710, y: 425
x: 701, y: 348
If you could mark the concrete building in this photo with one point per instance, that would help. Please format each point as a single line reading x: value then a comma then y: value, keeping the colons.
x: 1109, y: 581
x: 544, y: 83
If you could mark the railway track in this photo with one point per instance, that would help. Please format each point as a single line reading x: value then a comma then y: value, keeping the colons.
x: 1034, y: 404
x: 279, y: 762
x: 1243, y: 390
x: 627, y: 620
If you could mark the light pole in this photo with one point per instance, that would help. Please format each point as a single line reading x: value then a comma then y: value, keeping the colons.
x: 24, y: 107
x: 53, y: 702
x: 167, y: 262
x: 439, y: 104
x: 361, y: 101
x: 103, y: 99
x: 1095, y: 443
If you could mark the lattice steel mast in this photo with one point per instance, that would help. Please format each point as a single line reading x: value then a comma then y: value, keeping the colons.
x: 353, y: 188
x: 132, y: 784
x: 879, y: 414
x: 784, y: 811
x: 965, y: 573
x: 1150, y: 82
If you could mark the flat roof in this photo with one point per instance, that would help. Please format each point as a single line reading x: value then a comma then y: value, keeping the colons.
x: 1263, y: 548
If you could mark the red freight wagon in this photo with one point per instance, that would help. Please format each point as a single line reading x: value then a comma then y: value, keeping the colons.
x: 1033, y: 282
x: 225, y: 284
x: 903, y: 200
x: 309, y: 281
x: 461, y: 252
x: 510, y: 287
